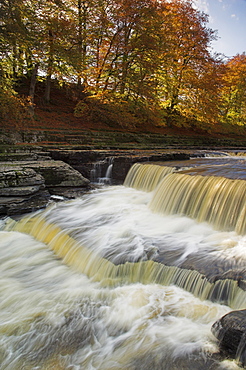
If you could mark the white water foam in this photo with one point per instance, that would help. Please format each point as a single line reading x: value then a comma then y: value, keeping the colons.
x: 54, y: 318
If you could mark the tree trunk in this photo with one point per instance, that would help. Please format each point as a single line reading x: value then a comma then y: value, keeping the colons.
x: 47, y: 89
x: 80, y: 44
x: 50, y: 68
x: 125, y: 62
x: 32, y: 88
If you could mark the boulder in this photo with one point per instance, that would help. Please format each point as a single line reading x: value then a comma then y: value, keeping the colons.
x: 19, y: 191
x: 18, y: 205
x: 18, y: 176
x: 51, y: 173
x: 230, y: 330
x: 58, y: 174
x: 26, y: 186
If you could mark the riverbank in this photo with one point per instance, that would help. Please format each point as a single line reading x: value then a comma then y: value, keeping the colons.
x: 90, y: 139
x: 57, y: 125
x: 31, y: 177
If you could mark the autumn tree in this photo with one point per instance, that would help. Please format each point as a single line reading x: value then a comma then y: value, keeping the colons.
x: 123, y: 60
x: 201, y: 102
x: 185, y: 50
x: 80, y: 19
x: 53, y: 19
x: 234, y: 91
x: 15, y: 39
x: 156, y: 52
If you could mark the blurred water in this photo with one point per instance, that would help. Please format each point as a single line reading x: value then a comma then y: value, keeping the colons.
x: 231, y: 166
x: 54, y: 317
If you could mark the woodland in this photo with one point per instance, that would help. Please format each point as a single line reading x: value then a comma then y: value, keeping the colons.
x: 127, y: 62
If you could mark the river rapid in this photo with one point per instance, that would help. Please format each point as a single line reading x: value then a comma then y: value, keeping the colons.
x: 99, y: 282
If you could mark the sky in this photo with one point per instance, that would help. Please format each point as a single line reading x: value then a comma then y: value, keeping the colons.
x: 228, y: 17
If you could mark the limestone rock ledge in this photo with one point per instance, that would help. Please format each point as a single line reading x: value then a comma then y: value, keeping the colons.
x: 26, y: 186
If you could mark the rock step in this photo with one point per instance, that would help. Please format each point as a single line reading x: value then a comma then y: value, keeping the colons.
x: 115, y: 139
x: 28, y: 185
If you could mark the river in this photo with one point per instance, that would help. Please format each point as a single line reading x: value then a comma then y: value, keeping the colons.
x: 126, y: 277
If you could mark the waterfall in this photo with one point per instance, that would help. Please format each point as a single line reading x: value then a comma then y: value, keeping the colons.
x: 146, y: 176
x: 216, y: 200
x: 109, y: 171
x: 99, y: 269
x: 130, y: 276
x: 101, y: 172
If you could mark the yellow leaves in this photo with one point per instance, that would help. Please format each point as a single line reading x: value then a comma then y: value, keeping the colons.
x: 13, y: 108
x: 81, y: 109
x: 234, y: 90
x: 145, y: 50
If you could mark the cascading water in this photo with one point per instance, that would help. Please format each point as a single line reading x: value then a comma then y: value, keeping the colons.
x: 125, y: 277
x: 146, y: 177
x: 217, y: 200
x: 101, y: 172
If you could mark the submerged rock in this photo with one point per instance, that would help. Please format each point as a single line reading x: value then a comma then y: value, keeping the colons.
x: 230, y: 330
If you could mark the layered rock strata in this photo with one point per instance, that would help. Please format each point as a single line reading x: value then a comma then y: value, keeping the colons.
x: 26, y: 186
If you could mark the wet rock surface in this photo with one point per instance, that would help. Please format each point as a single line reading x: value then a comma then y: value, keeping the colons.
x: 29, y: 181
x: 26, y: 186
x: 26, y: 171
x: 122, y: 160
x: 230, y: 330
x: 30, y: 176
